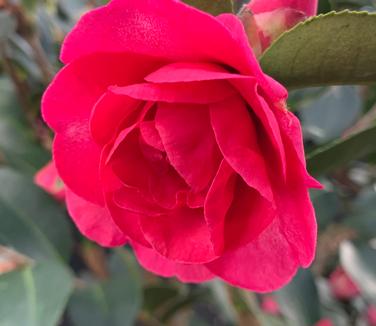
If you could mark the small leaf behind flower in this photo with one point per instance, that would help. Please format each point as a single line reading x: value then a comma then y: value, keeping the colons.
x: 214, y: 7
x: 331, y: 49
x: 342, y: 151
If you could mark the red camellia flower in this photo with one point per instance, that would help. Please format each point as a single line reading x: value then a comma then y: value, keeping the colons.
x: 342, y: 286
x: 169, y: 136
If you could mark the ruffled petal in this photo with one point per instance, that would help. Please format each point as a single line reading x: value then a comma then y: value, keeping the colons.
x: 181, y: 236
x: 237, y: 138
x: 48, y: 179
x: 193, y: 92
x: 94, y: 221
x: 263, y: 265
x: 190, y: 72
x: 189, y: 142
x: 159, y: 265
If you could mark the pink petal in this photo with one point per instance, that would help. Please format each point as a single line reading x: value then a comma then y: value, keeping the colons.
x: 94, y: 221
x: 48, y: 179
x: 162, y: 29
x: 251, y: 93
x: 194, y: 92
x: 109, y: 114
x: 217, y: 203
x: 264, y: 265
x: 77, y: 160
x: 237, y: 138
x: 150, y: 135
x: 157, y: 264
x: 309, y: 7
x: 181, y: 236
x: 247, y: 217
x: 146, y: 169
x: 190, y: 72
x: 189, y: 142
x: 72, y: 94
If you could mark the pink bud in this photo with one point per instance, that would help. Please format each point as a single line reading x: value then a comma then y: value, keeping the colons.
x: 48, y: 179
x: 265, y: 20
x: 342, y: 286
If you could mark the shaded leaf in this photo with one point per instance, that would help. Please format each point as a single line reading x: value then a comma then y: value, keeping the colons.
x: 17, y: 143
x: 299, y: 301
x: 342, y: 151
x: 30, y: 220
x: 330, y: 49
x: 35, y: 295
x: 114, y: 302
x: 214, y: 7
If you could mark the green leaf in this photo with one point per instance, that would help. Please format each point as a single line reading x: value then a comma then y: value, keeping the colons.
x: 214, y: 7
x: 330, y: 49
x: 359, y: 261
x: 299, y: 300
x: 114, y: 302
x: 342, y: 151
x: 7, y: 25
x: 35, y: 295
x: 30, y: 220
x: 17, y: 143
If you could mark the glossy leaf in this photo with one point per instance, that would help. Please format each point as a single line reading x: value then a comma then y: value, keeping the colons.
x: 342, y: 151
x: 35, y: 295
x: 30, y: 220
x: 112, y: 302
x: 214, y: 7
x: 299, y: 300
x: 330, y: 49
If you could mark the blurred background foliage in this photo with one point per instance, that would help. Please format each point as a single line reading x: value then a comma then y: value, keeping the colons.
x: 50, y: 275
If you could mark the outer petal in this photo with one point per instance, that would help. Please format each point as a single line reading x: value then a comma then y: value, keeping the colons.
x: 181, y: 236
x: 154, y: 262
x: 309, y: 7
x: 189, y: 142
x: 263, y: 265
x: 67, y: 106
x: 94, y: 221
x: 162, y: 29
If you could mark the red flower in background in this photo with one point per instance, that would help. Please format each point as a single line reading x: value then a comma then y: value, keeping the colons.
x: 169, y: 135
x: 342, y: 286
x: 265, y: 20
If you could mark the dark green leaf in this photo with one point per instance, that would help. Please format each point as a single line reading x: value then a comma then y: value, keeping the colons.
x: 35, y: 295
x: 330, y: 49
x: 115, y: 302
x: 214, y: 7
x: 17, y: 143
x: 342, y: 151
x: 299, y: 300
x: 30, y: 220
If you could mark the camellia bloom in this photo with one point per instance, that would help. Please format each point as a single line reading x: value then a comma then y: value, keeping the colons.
x: 265, y: 20
x: 169, y: 136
